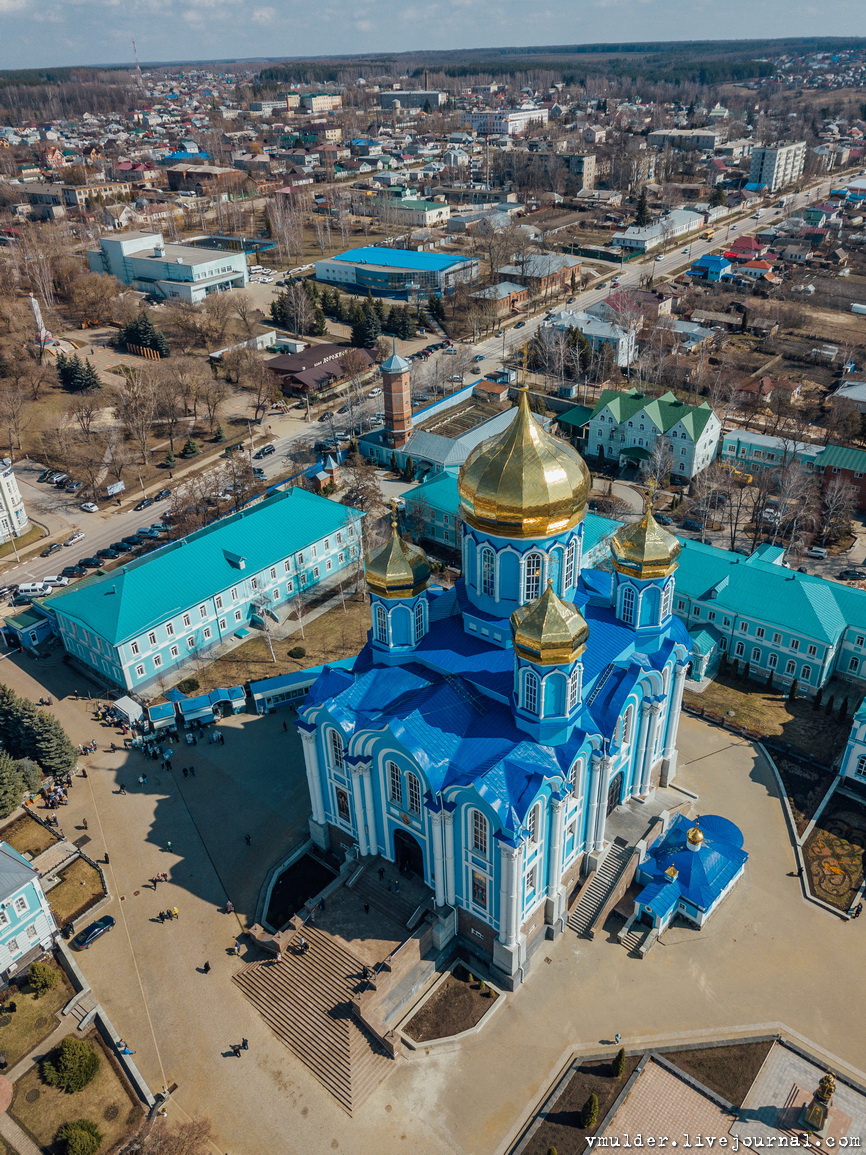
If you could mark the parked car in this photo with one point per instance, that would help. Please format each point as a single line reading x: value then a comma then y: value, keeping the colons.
x: 78, y: 536
x: 145, y: 503
x: 377, y: 392
x: 852, y: 575
x: 47, y: 474
x: 162, y: 495
x: 73, y: 486
x: 662, y: 519
x: 90, y: 507
x: 58, y: 580
x: 50, y: 549
x: 132, y: 541
x: 816, y: 551
x: 160, y: 527
x: 147, y: 532
x: 694, y: 526
x: 61, y: 479
x: 90, y: 562
x: 108, y: 553
x: 327, y: 415
x: 259, y: 474
x: 267, y: 450
x: 87, y: 937
x: 119, y: 547
x: 21, y: 600
x: 72, y: 571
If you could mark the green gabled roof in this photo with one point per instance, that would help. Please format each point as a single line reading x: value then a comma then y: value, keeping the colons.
x: 129, y: 600
x: 780, y: 597
x: 705, y: 639
x: 665, y: 412
x: 576, y: 416
x: 838, y: 457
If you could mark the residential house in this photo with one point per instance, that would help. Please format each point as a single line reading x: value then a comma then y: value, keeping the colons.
x: 544, y: 273
x: 626, y: 425
x: 848, y: 465
x: 752, y: 452
x: 27, y: 927
x: 146, y: 621
x: 711, y: 267
x: 601, y: 335
x: 504, y: 298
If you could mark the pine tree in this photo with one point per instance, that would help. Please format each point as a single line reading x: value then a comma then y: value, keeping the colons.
x: 792, y: 692
x: 50, y: 746
x: 718, y: 197
x: 619, y: 1063
x: 359, y: 333
x: 371, y: 330
x: 843, y: 709
x: 828, y: 709
x: 319, y: 325
x: 11, y: 786
x: 142, y: 332
x: 642, y: 213
x: 589, y: 1114
x: 190, y: 448
x: 816, y: 701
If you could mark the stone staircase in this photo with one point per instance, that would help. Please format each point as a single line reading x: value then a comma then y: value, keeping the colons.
x: 54, y: 858
x: 305, y: 1000
x: 83, y: 1008
x: 612, y: 866
x: 399, y: 907
x: 633, y: 937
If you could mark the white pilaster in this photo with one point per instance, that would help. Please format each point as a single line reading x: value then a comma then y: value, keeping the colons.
x: 360, y: 816
x: 554, y: 849
x: 669, y: 757
x: 314, y: 778
x: 369, y: 807
x: 436, y: 835
x: 655, y: 711
x: 448, y: 821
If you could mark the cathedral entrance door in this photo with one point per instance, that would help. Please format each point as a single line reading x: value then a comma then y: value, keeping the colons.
x: 408, y: 854
x: 614, y: 792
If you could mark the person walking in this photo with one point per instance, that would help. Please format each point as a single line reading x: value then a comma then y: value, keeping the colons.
x: 174, y: 912
x: 185, y: 772
x: 206, y: 968
x: 122, y: 789
x: 381, y: 873
x: 248, y: 839
x: 285, y: 727
x: 236, y: 1050
x: 366, y: 908
x: 245, y: 1044
x: 237, y: 946
x: 161, y: 916
x: 617, y: 1038
x: 168, y: 846
x: 83, y: 823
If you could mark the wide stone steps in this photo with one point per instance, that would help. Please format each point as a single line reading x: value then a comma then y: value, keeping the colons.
x: 632, y: 940
x: 368, y: 887
x: 305, y: 999
x: 613, y: 864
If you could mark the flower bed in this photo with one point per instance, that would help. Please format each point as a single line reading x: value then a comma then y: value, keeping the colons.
x: 459, y: 1003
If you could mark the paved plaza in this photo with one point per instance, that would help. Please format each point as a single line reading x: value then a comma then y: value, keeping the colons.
x: 767, y: 956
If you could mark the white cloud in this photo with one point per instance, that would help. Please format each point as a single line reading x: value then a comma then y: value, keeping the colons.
x: 263, y: 15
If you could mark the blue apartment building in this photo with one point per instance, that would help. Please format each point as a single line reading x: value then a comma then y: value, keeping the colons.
x: 146, y: 620
x: 27, y: 927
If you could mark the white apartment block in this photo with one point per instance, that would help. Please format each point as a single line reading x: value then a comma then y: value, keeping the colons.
x: 13, y: 515
x: 778, y: 165
x: 506, y: 121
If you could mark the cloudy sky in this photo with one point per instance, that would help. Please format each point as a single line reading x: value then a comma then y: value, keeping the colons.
x: 57, y: 32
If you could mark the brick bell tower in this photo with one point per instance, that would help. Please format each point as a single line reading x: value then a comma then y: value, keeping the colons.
x: 398, y: 399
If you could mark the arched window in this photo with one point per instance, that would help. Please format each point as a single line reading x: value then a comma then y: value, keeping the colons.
x: 488, y: 572
x: 790, y: 666
x: 568, y: 572
x: 395, y: 784
x: 479, y: 832
x: 756, y: 654
x: 573, y: 690
x: 531, y: 576
x: 773, y: 661
x: 576, y: 770
x: 667, y: 598
x: 534, y: 824
x: 413, y: 794
x: 419, y: 620
x: 806, y: 673
x: 338, y: 750
x: 739, y: 650
x: 627, y: 725
x: 628, y: 601
x: 380, y: 623
x: 530, y: 691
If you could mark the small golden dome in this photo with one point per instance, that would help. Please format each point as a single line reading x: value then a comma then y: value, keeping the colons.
x: 549, y: 631
x: 645, y: 549
x: 397, y: 570
x: 695, y: 836
x: 524, y: 482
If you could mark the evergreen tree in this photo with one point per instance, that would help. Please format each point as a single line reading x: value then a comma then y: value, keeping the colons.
x: 589, y: 1114
x: 619, y: 1063
x: 89, y: 377
x: 190, y: 448
x: 142, y: 332
x: 792, y: 692
x: 642, y: 213
x: 13, y: 786
x: 371, y: 330
x: 843, y: 709
x: 816, y: 701
x: 319, y: 325
x: 50, y: 746
x: 359, y: 335
x: 78, y: 1137
x: 828, y: 709
x: 718, y: 198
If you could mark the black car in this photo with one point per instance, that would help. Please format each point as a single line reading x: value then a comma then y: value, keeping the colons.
x: 694, y: 526
x: 90, y: 562
x: 662, y: 519
x: 162, y: 495
x: 72, y: 571
x: 50, y: 549
x: 327, y: 415
x: 132, y: 541
x: 852, y: 575
x: 520, y: 325
x: 21, y: 600
x: 144, y: 503
x: 47, y: 474
x: 119, y: 546
x: 259, y: 474
x: 90, y: 934
x: 267, y: 450
x: 108, y: 554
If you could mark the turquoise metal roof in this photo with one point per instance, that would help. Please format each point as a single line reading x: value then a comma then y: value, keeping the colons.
x: 124, y: 603
x: 772, y: 594
x: 838, y: 457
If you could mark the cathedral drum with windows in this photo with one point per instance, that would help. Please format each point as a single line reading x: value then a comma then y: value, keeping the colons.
x: 484, y: 735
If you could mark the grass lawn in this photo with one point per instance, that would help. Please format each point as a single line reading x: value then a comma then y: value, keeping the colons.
x: 769, y: 713
x: 34, y: 1019
x: 331, y: 636
x: 80, y: 889
x: 32, y: 534
x: 27, y: 836
x: 41, y: 1109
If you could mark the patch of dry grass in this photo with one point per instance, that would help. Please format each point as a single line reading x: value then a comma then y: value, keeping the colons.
x: 28, y: 836
x: 80, y: 889
x: 33, y: 1020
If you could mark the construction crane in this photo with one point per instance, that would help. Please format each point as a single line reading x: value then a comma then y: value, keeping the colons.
x: 138, y: 78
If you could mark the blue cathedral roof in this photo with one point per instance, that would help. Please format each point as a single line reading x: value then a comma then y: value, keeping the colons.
x: 702, y: 875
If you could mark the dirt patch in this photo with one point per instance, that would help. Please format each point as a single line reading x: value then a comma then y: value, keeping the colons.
x: 561, y: 1127
x: 835, y: 852
x: 80, y: 889
x: 805, y: 786
x: 727, y: 1070
x: 28, y: 836
x: 458, y: 1004
x: 769, y: 713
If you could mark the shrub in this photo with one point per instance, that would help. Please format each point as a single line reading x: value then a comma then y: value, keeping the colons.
x: 71, y: 1065
x: 297, y: 652
x: 831, y: 702
x: 170, y: 460
x: 792, y: 692
x: 619, y: 1063
x: 188, y: 685
x: 220, y: 434
x: 79, y: 1137
x: 191, y: 448
x: 589, y: 1114
x: 42, y: 978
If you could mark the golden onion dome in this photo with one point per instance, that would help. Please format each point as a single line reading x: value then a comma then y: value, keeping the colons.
x: 524, y: 482
x: 549, y: 631
x: 397, y: 570
x: 645, y: 549
x: 695, y: 836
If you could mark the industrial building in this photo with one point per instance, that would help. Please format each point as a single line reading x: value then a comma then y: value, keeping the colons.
x: 396, y: 272
x: 185, y: 272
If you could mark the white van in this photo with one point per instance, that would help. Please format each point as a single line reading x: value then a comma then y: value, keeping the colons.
x: 58, y: 580
x: 34, y: 589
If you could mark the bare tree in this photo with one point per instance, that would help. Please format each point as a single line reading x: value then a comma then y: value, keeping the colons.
x: 214, y: 394
x: 657, y: 467
x: 193, y: 1137
x: 136, y: 407
x: 838, y: 501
